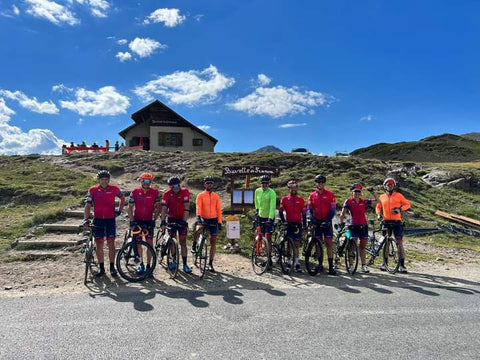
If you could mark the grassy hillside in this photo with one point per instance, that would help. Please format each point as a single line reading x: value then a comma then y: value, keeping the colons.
x: 442, y: 148
x: 34, y: 187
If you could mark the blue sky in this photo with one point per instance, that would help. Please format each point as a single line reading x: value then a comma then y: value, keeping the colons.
x: 327, y: 75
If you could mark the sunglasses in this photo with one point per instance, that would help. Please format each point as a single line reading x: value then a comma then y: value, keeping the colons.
x: 265, y: 182
x: 359, y: 191
x: 209, y: 182
x: 146, y: 181
x: 175, y: 186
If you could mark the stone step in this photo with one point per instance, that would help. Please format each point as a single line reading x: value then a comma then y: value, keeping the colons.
x: 37, y: 254
x: 70, y: 228
x: 74, y: 213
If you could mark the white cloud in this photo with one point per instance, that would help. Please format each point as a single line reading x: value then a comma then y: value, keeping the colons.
x: 198, y: 17
x: 145, y: 47
x: 170, y: 17
x: 61, y: 88
x: 15, y: 10
x: 187, y: 87
x: 263, y: 79
x: 98, y: 8
x: 122, y: 42
x: 14, y: 141
x: 123, y: 56
x: 80, y: 121
x: 51, y: 11
x: 32, y: 104
x: 290, y: 125
x: 281, y: 101
x: 106, y: 101
x: 204, y: 127
x: 367, y: 118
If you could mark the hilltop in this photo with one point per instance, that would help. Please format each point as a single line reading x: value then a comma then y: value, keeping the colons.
x: 472, y: 136
x: 269, y: 149
x: 441, y: 148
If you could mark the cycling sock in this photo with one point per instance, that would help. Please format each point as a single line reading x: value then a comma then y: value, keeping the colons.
x: 148, y: 266
x: 184, y: 259
x: 330, y: 263
x: 210, y: 262
x: 295, y: 260
x: 112, y: 266
x: 402, y: 262
x: 102, y: 267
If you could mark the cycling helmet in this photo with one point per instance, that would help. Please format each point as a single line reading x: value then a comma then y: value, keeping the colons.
x: 146, y: 176
x: 103, y: 174
x: 208, y: 179
x: 389, y: 181
x: 174, y: 180
x: 356, y: 186
x: 264, y: 178
x: 320, y: 178
x: 292, y: 183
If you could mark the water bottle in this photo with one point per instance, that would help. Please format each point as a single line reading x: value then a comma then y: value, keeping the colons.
x: 348, y: 233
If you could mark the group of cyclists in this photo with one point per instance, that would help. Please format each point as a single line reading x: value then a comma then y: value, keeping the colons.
x: 146, y: 206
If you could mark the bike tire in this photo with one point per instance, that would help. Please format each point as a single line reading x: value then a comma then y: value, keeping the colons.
x: 313, y: 262
x: 351, y: 252
x: 391, y: 255
x: 337, y: 252
x: 203, y: 254
x: 286, y: 255
x: 89, y: 259
x: 172, y: 257
x: 260, y: 256
x: 128, y: 260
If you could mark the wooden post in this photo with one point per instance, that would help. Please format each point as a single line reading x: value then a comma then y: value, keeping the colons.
x: 247, y: 181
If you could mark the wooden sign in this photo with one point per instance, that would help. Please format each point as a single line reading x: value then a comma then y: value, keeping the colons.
x: 232, y: 171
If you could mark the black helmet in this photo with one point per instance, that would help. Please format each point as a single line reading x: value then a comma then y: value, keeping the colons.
x: 174, y: 180
x: 320, y: 178
x: 264, y: 178
x: 208, y: 179
x: 103, y: 174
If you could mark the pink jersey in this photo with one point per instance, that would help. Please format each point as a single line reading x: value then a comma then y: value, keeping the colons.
x: 144, y: 202
x: 321, y: 204
x: 175, y: 203
x: 294, y: 206
x: 357, y: 210
x: 103, y: 201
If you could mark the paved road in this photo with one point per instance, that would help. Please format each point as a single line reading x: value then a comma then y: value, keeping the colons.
x: 396, y: 319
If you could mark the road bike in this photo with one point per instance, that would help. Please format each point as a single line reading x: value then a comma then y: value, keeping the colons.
x: 382, y: 239
x: 313, y: 250
x: 200, y: 255
x: 91, y: 264
x: 347, y: 247
x: 166, y: 245
x: 282, y: 248
x: 134, y: 255
x: 260, y: 252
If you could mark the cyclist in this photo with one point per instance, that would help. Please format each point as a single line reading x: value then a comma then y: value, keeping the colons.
x: 143, y: 210
x: 320, y: 212
x: 102, y: 197
x: 265, y: 203
x: 209, y: 212
x: 393, y: 203
x: 176, y: 203
x: 294, y: 207
x: 357, y: 206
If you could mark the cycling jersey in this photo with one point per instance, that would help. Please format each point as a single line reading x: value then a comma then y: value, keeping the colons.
x: 322, y: 205
x: 265, y: 202
x: 209, y: 206
x: 389, y: 203
x: 144, y: 202
x: 175, y: 202
x: 357, y: 210
x: 294, y: 207
x: 103, y: 201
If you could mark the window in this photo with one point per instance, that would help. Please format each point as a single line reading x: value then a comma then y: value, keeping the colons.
x: 197, y: 142
x: 170, y: 139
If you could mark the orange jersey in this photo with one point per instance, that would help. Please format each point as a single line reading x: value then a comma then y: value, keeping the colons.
x: 209, y: 206
x: 389, y: 203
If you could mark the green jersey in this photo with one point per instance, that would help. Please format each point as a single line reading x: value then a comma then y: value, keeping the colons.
x: 265, y: 202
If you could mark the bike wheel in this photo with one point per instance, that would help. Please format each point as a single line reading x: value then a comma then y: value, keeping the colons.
x: 260, y: 256
x: 172, y: 257
x: 286, y: 255
x: 131, y: 256
x: 90, y: 264
x: 203, y: 254
x: 391, y: 255
x: 338, y: 249
x: 351, y: 255
x: 313, y: 256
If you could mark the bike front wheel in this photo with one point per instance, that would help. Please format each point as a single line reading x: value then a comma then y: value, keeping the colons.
x: 260, y: 256
x: 90, y: 264
x: 172, y: 257
x: 286, y: 255
x: 202, y: 254
x: 136, y: 260
x: 391, y: 255
x: 314, y: 256
x: 351, y: 255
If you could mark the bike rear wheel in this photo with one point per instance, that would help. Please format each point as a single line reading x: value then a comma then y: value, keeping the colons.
x: 260, y: 256
x: 391, y: 255
x: 131, y: 255
x: 172, y: 257
x: 351, y: 255
x: 286, y: 255
x: 90, y: 263
x: 202, y: 254
x: 313, y: 256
